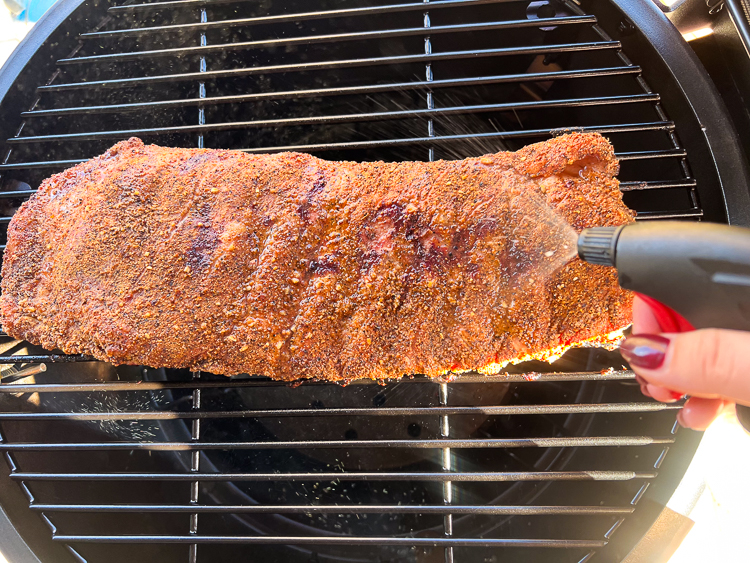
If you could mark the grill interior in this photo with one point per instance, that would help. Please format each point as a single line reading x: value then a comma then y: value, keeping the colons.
x: 172, y: 466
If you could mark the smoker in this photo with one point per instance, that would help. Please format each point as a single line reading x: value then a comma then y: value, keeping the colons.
x: 547, y: 462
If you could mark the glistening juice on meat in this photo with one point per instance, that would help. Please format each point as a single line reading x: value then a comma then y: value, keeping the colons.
x: 295, y: 267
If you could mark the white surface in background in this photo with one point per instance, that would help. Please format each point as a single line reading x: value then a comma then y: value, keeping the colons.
x: 11, y: 32
x: 722, y: 514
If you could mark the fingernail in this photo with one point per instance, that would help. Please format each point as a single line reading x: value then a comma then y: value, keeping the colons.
x: 676, y: 395
x: 645, y: 350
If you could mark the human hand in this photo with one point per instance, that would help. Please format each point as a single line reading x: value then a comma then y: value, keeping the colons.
x: 710, y: 365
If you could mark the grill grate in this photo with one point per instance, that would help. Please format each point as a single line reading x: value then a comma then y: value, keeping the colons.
x: 455, y: 128
x: 173, y: 401
x: 518, y: 465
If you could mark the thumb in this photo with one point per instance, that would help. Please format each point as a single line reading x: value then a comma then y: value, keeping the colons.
x: 702, y: 363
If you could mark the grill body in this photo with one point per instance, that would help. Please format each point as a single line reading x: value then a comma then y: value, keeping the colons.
x: 119, y: 463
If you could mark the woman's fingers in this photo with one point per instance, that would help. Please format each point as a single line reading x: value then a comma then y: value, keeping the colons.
x: 710, y: 363
x: 663, y: 394
x: 699, y: 413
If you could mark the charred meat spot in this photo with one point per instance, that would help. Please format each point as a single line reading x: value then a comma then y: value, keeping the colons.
x: 472, y: 270
x: 196, y: 160
x: 380, y: 235
x: 485, y: 227
x: 367, y: 260
x: 202, y: 248
x: 392, y: 221
x: 318, y: 185
x: 306, y: 209
x: 464, y: 240
x: 461, y: 242
x: 395, y: 212
x: 324, y: 265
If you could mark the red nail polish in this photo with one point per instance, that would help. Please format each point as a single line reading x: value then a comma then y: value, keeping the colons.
x: 676, y: 395
x: 645, y: 350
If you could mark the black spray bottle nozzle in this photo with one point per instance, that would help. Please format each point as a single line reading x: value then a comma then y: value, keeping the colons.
x: 598, y: 245
x: 701, y: 270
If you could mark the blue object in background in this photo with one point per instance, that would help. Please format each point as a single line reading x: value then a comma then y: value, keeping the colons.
x: 28, y: 10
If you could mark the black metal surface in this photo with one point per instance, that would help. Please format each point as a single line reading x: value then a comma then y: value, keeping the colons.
x: 336, y: 64
x: 332, y: 38
x: 19, y: 421
x: 124, y: 463
x: 395, y: 411
x: 280, y: 18
x: 338, y: 509
x: 704, y: 102
x: 379, y: 476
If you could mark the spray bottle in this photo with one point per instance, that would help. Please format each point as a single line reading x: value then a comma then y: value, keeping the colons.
x: 693, y: 275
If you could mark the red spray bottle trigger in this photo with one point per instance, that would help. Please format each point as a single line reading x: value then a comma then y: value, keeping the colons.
x: 669, y: 320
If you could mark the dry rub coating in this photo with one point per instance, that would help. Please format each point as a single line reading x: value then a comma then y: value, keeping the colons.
x: 294, y: 267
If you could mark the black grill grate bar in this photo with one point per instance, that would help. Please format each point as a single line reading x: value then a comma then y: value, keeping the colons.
x: 466, y: 477
x: 541, y: 133
x: 335, y: 540
x: 337, y: 509
x: 654, y: 215
x: 639, y: 186
x: 648, y: 155
x: 331, y: 38
x: 467, y: 443
x: 366, y: 89
x: 321, y: 65
x: 34, y: 165
x: 124, y: 134
x: 264, y: 382
x: 281, y: 18
x: 17, y: 193
x: 345, y: 118
x: 46, y: 358
x: 503, y: 410
x: 170, y: 5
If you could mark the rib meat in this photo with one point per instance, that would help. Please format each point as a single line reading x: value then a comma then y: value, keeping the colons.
x: 294, y: 267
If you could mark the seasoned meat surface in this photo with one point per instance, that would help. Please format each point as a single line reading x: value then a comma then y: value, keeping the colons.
x: 290, y: 266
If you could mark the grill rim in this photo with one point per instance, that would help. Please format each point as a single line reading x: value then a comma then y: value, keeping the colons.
x: 19, y: 59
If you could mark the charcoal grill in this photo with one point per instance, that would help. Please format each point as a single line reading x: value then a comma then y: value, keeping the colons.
x: 561, y: 462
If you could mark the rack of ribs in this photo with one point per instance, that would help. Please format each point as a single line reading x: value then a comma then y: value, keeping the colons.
x: 292, y: 267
